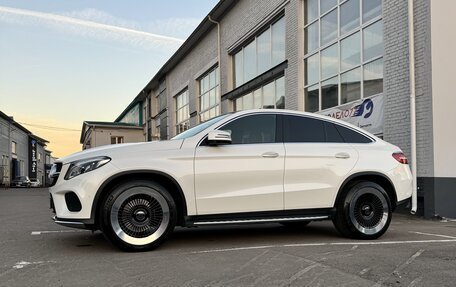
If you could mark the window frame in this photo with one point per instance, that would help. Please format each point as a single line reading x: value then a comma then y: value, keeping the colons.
x: 337, y: 41
x: 267, y: 27
x: 13, y: 147
x: 260, y: 88
x: 216, y: 88
x: 184, y: 92
x: 118, y: 139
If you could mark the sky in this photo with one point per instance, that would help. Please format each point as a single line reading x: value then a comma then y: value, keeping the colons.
x: 65, y: 61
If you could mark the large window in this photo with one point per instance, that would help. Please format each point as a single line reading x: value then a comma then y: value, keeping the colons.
x: 261, y: 54
x: 182, y: 112
x: 209, y: 95
x: 269, y: 96
x: 343, y: 59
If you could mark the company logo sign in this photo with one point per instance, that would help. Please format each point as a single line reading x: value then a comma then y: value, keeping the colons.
x: 365, y: 113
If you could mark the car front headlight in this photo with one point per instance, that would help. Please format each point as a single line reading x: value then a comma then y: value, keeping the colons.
x: 85, y: 165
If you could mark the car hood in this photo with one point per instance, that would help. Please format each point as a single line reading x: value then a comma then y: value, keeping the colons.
x: 123, y: 150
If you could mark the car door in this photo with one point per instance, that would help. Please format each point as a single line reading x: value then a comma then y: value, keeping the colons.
x: 246, y: 175
x: 317, y: 160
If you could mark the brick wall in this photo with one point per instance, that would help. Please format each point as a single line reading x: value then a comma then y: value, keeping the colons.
x: 396, y: 80
x: 185, y: 74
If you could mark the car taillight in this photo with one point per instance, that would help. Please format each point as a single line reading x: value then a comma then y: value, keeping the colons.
x: 400, y: 157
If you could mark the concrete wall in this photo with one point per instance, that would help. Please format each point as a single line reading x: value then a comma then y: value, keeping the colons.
x: 102, y: 136
x: 443, y: 89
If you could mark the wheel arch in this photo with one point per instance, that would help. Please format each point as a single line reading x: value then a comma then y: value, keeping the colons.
x: 373, y: 176
x: 161, y: 178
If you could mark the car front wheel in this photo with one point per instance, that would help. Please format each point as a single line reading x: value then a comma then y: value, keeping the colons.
x: 364, y: 211
x: 138, y: 216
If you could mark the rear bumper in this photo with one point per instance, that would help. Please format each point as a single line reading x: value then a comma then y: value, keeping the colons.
x: 403, y: 204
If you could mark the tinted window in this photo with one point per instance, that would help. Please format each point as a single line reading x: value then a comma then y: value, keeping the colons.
x: 302, y: 129
x: 350, y: 136
x: 332, y: 135
x: 252, y: 129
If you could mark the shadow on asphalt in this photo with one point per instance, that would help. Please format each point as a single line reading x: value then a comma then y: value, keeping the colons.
x: 184, y: 239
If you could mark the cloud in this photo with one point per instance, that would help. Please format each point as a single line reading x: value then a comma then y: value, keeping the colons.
x: 178, y: 27
x: 175, y: 27
x: 82, y: 23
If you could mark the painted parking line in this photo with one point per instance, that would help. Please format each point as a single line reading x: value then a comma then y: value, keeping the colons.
x: 325, y: 244
x: 56, y: 231
x: 433, y: 234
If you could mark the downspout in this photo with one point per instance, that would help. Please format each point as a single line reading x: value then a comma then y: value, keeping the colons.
x: 412, y: 102
x: 219, y: 52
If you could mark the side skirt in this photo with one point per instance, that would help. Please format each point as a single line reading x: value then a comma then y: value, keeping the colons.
x: 260, y: 217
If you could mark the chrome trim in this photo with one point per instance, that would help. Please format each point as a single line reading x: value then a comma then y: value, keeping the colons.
x: 283, y: 219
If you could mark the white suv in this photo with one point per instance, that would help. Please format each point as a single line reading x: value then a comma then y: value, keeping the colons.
x: 246, y: 167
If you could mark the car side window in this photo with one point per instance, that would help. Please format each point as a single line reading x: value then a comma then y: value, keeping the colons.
x: 252, y: 129
x: 303, y: 129
x: 332, y: 135
x: 351, y: 136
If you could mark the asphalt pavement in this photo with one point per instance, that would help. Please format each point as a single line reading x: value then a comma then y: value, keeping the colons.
x: 36, y: 252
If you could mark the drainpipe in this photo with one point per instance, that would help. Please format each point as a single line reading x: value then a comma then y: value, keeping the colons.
x: 412, y: 102
x: 219, y: 52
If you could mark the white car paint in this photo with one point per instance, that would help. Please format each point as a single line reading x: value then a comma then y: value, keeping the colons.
x: 238, y: 178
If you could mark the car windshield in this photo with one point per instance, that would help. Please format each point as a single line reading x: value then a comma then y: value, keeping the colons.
x: 195, y: 130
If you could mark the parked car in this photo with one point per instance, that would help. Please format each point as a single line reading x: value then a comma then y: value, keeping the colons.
x: 21, y: 181
x: 35, y: 183
x: 246, y: 167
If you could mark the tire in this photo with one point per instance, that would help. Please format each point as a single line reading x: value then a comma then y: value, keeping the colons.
x: 138, y: 215
x: 295, y: 224
x: 363, y: 211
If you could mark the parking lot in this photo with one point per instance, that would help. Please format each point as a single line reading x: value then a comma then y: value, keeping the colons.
x: 36, y: 252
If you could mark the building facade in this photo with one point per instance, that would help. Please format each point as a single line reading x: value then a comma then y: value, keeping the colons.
x: 96, y: 134
x: 22, y: 153
x: 343, y: 58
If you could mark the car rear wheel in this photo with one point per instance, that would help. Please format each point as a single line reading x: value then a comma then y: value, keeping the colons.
x: 138, y: 216
x: 364, y: 211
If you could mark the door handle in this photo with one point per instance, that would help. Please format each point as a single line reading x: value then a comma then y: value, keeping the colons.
x: 342, y: 155
x: 270, y: 154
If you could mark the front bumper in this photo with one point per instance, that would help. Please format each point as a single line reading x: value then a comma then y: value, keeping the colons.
x: 74, y: 223
x: 82, y: 189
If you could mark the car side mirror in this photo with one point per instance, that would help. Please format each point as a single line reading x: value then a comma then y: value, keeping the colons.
x: 218, y: 137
